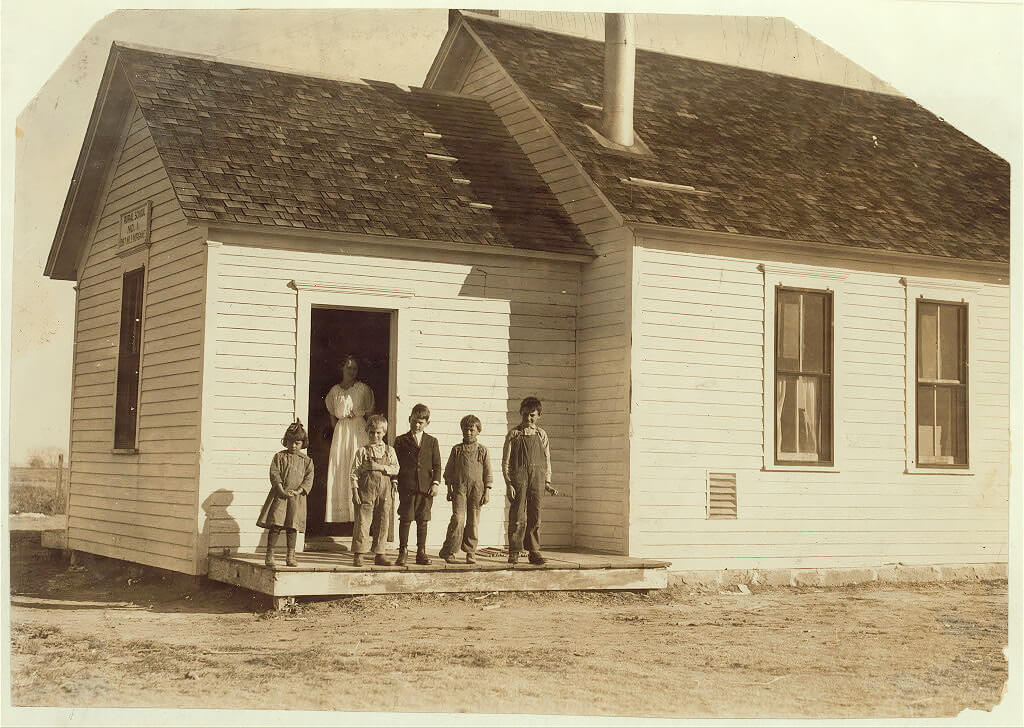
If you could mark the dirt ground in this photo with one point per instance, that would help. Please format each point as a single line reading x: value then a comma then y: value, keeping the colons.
x: 109, y: 638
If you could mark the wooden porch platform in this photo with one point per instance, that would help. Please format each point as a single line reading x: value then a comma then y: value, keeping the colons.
x: 328, y: 574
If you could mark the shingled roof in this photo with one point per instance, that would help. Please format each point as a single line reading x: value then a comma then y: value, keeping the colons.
x: 780, y: 157
x: 256, y: 146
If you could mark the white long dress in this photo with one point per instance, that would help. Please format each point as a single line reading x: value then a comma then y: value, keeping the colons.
x: 350, y: 406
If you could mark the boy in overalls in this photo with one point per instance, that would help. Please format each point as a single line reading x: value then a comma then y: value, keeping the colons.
x: 468, y: 477
x: 526, y: 466
x: 373, y: 468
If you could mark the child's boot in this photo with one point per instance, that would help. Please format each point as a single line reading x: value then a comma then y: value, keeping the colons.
x: 421, y: 544
x: 271, y: 542
x: 403, y: 543
x: 470, y: 557
x: 357, y: 560
x: 381, y: 560
x: 292, y: 537
x: 537, y: 559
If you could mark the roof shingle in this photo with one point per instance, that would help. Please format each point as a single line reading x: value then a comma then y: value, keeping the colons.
x: 781, y: 157
x: 256, y: 146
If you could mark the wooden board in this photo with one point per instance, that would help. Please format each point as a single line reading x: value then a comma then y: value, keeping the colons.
x: 333, y: 574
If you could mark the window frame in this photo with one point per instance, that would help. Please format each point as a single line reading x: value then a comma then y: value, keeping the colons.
x: 815, y: 280
x: 122, y: 447
x: 963, y: 383
x: 828, y: 356
x: 959, y: 293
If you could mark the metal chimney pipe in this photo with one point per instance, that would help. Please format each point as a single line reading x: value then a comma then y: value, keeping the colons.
x: 619, y: 73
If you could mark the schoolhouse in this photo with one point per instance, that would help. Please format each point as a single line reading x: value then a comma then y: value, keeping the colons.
x: 767, y: 317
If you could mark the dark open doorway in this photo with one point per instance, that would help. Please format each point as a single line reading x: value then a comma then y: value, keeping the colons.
x: 335, y: 332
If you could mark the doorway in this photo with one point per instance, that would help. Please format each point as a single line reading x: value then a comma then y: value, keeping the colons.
x: 335, y: 332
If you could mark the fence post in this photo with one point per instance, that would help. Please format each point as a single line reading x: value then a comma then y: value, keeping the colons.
x: 60, y: 482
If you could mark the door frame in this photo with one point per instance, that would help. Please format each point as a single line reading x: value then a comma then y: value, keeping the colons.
x: 318, y: 294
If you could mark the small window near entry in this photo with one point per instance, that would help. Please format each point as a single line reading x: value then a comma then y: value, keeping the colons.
x: 941, y: 384
x: 129, y: 354
x: 803, y: 377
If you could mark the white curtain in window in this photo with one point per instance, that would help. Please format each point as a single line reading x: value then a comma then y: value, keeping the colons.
x: 807, y: 408
x: 798, y: 435
x: 780, y: 403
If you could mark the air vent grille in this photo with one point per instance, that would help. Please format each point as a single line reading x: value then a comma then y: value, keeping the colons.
x: 721, y: 495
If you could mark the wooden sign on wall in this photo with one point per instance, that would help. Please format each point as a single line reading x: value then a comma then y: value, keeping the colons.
x: 135, y: 225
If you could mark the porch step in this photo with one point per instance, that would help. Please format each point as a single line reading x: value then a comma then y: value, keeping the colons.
x: 329, y: 574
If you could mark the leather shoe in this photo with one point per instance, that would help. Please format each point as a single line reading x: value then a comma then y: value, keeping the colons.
x: 381, y: 560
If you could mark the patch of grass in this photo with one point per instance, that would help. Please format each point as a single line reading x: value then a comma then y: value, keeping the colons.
x: 35, y: 497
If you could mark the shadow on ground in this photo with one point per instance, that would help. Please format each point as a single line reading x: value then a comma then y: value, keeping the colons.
x: 45, y: 579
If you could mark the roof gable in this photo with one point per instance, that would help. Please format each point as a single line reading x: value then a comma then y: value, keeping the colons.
x: 253, y: 146
x: 777, y: 157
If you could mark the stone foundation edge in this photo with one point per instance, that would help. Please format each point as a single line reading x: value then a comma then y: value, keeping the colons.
x: 828, y: 577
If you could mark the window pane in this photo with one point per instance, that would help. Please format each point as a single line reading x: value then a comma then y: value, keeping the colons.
x: 129, y: 348
x: 789, y: 331
x: 949, y: 342
x: 927, y: 330
x: 815, y: 357
x: 807, y: 412
x: 785, y: 415
x: 925, y: 423
x: 798, y: 427
x: 951, y: 430
x: 825, y: 422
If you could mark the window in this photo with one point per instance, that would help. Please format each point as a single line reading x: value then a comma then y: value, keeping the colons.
x: 129, y: 354
x: 803, y: 376
x: 941, y: 384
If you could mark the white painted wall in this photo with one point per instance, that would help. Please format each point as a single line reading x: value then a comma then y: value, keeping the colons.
x: 697, y: 406
x: 602, y: 438
x: 139, y: 507
x: 485, y: 331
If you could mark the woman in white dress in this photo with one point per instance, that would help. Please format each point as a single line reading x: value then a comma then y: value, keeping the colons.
x: 348, y: 403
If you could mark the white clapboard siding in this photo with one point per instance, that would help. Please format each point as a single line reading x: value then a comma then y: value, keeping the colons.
x: 697, y: 393
x: 139, y: 507
x: 603, y: 318
x: 472, y: 349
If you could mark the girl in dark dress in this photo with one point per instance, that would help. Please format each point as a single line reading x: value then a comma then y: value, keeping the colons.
x: 291, y: 478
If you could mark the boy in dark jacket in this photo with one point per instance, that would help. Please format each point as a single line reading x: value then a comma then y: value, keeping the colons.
x: 419, y: 476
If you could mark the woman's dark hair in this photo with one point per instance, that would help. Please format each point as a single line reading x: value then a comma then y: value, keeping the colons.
x: 296, y: 432
x: 346, y: 359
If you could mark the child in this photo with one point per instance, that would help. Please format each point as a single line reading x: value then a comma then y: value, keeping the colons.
x: 526, y: 466
x: 468, y: 477
x: 291, y: 477
x: 372, y: 468
x: 419, y: 476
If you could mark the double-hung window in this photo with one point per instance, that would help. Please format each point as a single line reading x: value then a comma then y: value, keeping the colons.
x: 803, y: 376
x: 129, y: 355
x: 941, y: 384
